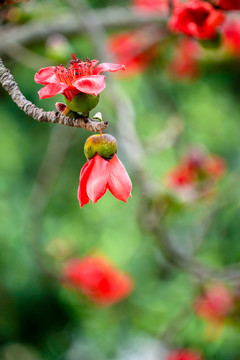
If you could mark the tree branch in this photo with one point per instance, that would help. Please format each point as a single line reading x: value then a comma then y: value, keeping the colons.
x: 69, y: 24
x: 9, y: 84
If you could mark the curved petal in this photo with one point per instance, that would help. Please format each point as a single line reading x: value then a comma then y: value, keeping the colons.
x: 70, y: 93
x: 52, y: 89
x: 215, y: 19
x: 108, y: 67
x: 84, y: 175
x: 94, y: 62
x: 45, y: 76
x: 98, y: 178
x: 119, y: 183
x: 92, y: 84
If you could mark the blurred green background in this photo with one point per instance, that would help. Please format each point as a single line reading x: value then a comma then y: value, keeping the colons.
x: 42, y: 225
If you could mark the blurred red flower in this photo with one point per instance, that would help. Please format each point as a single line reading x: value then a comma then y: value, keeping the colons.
x: 80, y: 77
x: 196, y: 175
x: 231, y: 36
x: 215, y: 166
x: 151, y: 6
x: 195, y: 167
x: 134, y: 49
x: 215, y: 303
x: 228, y: 4
x: 196, y: 18
x: 184, y: 355
x: 184, y: 63
x: 181, y: 176
x: 96, y: 278
x: 98, y: 175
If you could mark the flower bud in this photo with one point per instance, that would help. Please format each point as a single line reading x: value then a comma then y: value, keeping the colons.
x: 105, y: 145
x: 66, y: 111
x: 83, y: 103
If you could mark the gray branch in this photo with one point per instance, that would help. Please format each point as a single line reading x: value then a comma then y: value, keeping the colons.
x: 70, y: 24
x: 9, y: 84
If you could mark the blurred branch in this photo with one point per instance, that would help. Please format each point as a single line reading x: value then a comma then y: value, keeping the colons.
x: 9, y: 84
x: 27, y: 57
x: 74, y: 23
x: 167, y: 137
x: 187, y: 263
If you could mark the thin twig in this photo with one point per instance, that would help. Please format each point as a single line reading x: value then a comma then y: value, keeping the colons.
x: 187, y: 263
x: 9, y: 84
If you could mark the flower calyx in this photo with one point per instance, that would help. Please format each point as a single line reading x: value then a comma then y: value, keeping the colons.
x: 83, y: 103
x: 104, y: 145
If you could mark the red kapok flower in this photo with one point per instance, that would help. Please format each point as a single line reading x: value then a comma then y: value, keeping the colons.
x: 96, y: 278
x: 195, y: 167
x: 151, y: 6
x: 215, y: 166
x: 80, y: 77
x: 132, y: 48
x: 196, y: 174
x: 228, y: 4
x: 196, y: 18
x: 181, y: 176
x: 205, y: 165
x: 102, y: 171
x: 215, y: 303
x: 184, y: 63
x: 184, y: 355
x: 231, y: 36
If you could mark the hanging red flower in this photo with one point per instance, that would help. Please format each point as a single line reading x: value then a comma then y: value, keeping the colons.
x: 96, y: 278
x: 80, y: 77
x: 102, y: 171
x: 196, y: 18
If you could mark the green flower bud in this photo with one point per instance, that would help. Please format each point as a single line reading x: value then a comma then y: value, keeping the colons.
x: 83, y: 103
x: 105, y: 145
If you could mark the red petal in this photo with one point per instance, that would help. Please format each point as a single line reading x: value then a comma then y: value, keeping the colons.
x: 215, y: 19
x: 94, y: 62
x: 52, y: 90
x: 84, y: 175
x: 119, y: 182
x: 92, y: 84
x: 70, y: 93
x: 98, y: 178
x: 45, y: 76
x: 108, y: 67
